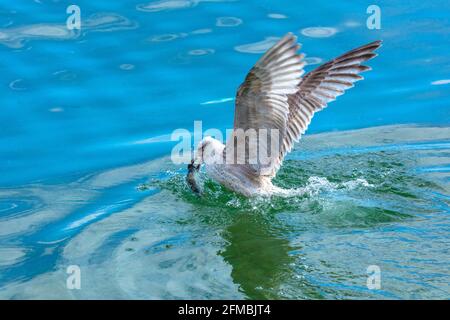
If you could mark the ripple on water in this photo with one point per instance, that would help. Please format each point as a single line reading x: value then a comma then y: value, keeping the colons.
x: 127, y: 66
x: 352, y: 24
x: 228, y: 22
x: 257, y: 47
x: 201, y: 52
x: 173, y: 36
x: 65, y: 75
x: 312, y: 60
x: 164, y: 37
x: 440, y: 82
x: 167, y: 5
x: 223, y: 100
x: 15, y: 206
x: 18, y: 85
x: 163, y: 5
x: 56, y: 110
x: 202, y: 31
x: 319, y: 32
x: 107, y: 22
x: 11, y: 255
x: 277, y: 16
x: 15, y: 37
x: 187, y: 57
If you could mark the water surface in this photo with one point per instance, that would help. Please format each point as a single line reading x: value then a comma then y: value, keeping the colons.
x: 86, y: 177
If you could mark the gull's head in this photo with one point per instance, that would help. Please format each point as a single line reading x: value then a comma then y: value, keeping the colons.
x: 208, y: 150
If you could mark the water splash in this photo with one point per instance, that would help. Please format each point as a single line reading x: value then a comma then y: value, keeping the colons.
x: 317, y: 185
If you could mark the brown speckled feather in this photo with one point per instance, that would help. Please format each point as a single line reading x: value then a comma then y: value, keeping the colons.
x: 262, y: 100
x: 320, y: 87
x: 274, y: 96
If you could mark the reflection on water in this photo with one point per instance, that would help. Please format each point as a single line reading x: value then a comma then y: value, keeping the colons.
x: 164, y: 5
x: 259, y: 257
x: 277, y: 16
x: 258, y: 47
x: 228, y: 22
x: 312, y: 60
x: 15, y: 37
x: 319, y: 32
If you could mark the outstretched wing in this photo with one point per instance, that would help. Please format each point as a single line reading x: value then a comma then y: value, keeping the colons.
x: 262, y: 104
x: 318, y: 88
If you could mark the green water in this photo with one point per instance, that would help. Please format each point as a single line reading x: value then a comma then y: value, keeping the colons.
x: 378, y: 196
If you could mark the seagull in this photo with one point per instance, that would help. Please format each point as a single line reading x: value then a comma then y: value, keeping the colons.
x: 275, y: 97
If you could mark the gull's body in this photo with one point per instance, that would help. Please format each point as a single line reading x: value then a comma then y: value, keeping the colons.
x: 275, y: 96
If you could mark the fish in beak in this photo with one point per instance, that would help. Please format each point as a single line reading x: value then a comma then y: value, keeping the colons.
x: 191, y: 177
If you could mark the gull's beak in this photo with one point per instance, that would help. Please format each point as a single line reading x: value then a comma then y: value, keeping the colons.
x: 192, y: 167
x: 192, y: 182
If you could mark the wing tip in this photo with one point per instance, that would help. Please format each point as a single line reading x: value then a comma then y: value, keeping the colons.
x: 379, y: 42
x: 288, y: 38
x: 375, y: 45
x: 290, y: 35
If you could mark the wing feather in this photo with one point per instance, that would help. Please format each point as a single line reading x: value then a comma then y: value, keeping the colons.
x: 320, y: 87
x: 262, y: 101
x: 274, y: 96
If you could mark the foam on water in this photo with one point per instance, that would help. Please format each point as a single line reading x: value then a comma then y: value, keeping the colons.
x: 317, y: 185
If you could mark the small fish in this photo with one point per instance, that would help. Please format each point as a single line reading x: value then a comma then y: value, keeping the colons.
x: 191, y: 177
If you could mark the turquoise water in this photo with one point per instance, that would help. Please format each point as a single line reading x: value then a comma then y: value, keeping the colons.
x: 86, y: 177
